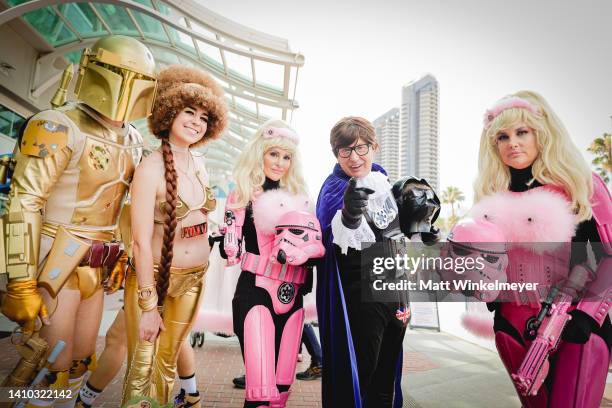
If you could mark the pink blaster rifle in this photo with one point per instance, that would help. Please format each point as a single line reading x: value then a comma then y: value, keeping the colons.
x: 546, y: 328
x: 231, y: 242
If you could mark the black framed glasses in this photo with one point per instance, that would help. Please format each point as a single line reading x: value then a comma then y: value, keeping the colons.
x: 361, y: 150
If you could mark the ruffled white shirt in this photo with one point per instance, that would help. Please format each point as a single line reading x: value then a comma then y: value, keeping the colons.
x: 381, y: 209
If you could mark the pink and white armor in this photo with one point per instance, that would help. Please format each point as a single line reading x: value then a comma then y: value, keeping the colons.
x: 539, y: 226
x: 478, y: 239
x: 286, y: 231
x: 298, y: 238
x: 598, y: 301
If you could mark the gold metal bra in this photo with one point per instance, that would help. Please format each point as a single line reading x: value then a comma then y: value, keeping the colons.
x: 182, y: 208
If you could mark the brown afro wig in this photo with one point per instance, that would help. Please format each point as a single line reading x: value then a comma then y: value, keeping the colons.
x: 179, y: 86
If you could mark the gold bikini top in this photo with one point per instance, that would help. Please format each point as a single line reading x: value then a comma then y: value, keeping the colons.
x: 183, y: 209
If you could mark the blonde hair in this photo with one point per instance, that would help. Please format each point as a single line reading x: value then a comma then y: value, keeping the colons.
x: 559, y: 161
x: 249, y: 171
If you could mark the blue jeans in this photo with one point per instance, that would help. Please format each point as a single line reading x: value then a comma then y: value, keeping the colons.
x: 309, y: 338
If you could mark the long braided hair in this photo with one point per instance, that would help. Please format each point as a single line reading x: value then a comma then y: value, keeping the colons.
x: 178, y: 87
x: 163, y: 277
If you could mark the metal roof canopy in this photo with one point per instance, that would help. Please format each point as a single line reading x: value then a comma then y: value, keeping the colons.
x: 258, y: 71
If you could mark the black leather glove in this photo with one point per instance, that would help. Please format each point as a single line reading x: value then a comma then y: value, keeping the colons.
x: 306, y: 287
x: 221, y: 240
x: 355, y: 200
x: 579, y: 328
x: 493, y: 306
x: 431, y: 237
x: 215, y: 238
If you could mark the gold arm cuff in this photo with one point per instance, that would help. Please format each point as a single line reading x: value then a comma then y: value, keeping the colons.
x: 144, y: 288
x: 22, y: 289
x: 147, y: 297
x: 149, y: 303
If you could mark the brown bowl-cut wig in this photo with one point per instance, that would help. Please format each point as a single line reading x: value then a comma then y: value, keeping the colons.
x: 348, y: 130
x: 178, y: 87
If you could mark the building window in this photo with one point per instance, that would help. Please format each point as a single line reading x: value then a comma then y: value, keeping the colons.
x: 10, y: 122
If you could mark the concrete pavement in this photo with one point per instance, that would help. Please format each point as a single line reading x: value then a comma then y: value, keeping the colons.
x: 440, y: 370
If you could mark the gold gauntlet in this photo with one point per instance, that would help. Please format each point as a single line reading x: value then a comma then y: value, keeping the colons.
x: 147, y: 297
x: 117, y: 274
x: 22, y: 240
x: 22, y: 303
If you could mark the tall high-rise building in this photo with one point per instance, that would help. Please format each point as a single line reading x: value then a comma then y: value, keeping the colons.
x: 419, y: 119
x: 387, y: 134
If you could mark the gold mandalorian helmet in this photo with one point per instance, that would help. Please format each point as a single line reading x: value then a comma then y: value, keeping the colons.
x: 116, y: 78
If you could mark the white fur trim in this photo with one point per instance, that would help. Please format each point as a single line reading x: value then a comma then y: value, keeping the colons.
x: 535, y: 216
x: 270, y: 206
x: 375, y: 180
x: 346, y: 237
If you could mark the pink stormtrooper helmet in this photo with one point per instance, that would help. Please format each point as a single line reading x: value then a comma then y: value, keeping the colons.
x: 473, y: 239
x: 298, y: 238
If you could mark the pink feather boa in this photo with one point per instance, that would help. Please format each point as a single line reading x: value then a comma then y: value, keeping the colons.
x: 479, y: 324
x: 538, y: 215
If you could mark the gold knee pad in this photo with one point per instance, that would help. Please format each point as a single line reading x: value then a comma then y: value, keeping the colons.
x: 76, y: 376
x: 58, y: 379
x: 80, y: 367
x: 55, y: 380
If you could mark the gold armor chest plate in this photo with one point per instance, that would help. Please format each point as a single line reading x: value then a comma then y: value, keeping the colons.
x: 91, y: 191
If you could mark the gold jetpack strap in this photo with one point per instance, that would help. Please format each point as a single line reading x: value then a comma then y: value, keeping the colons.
x: 64, y: 256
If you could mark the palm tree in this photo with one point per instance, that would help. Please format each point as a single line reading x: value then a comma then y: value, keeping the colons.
x: 446, y: 224
x: 451, y: 196
x: 600, y: 148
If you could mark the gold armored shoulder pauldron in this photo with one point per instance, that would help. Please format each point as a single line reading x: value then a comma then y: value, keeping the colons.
x: 43, y: 138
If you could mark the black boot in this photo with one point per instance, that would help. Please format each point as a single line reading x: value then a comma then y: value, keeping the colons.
x: 239, y: 382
